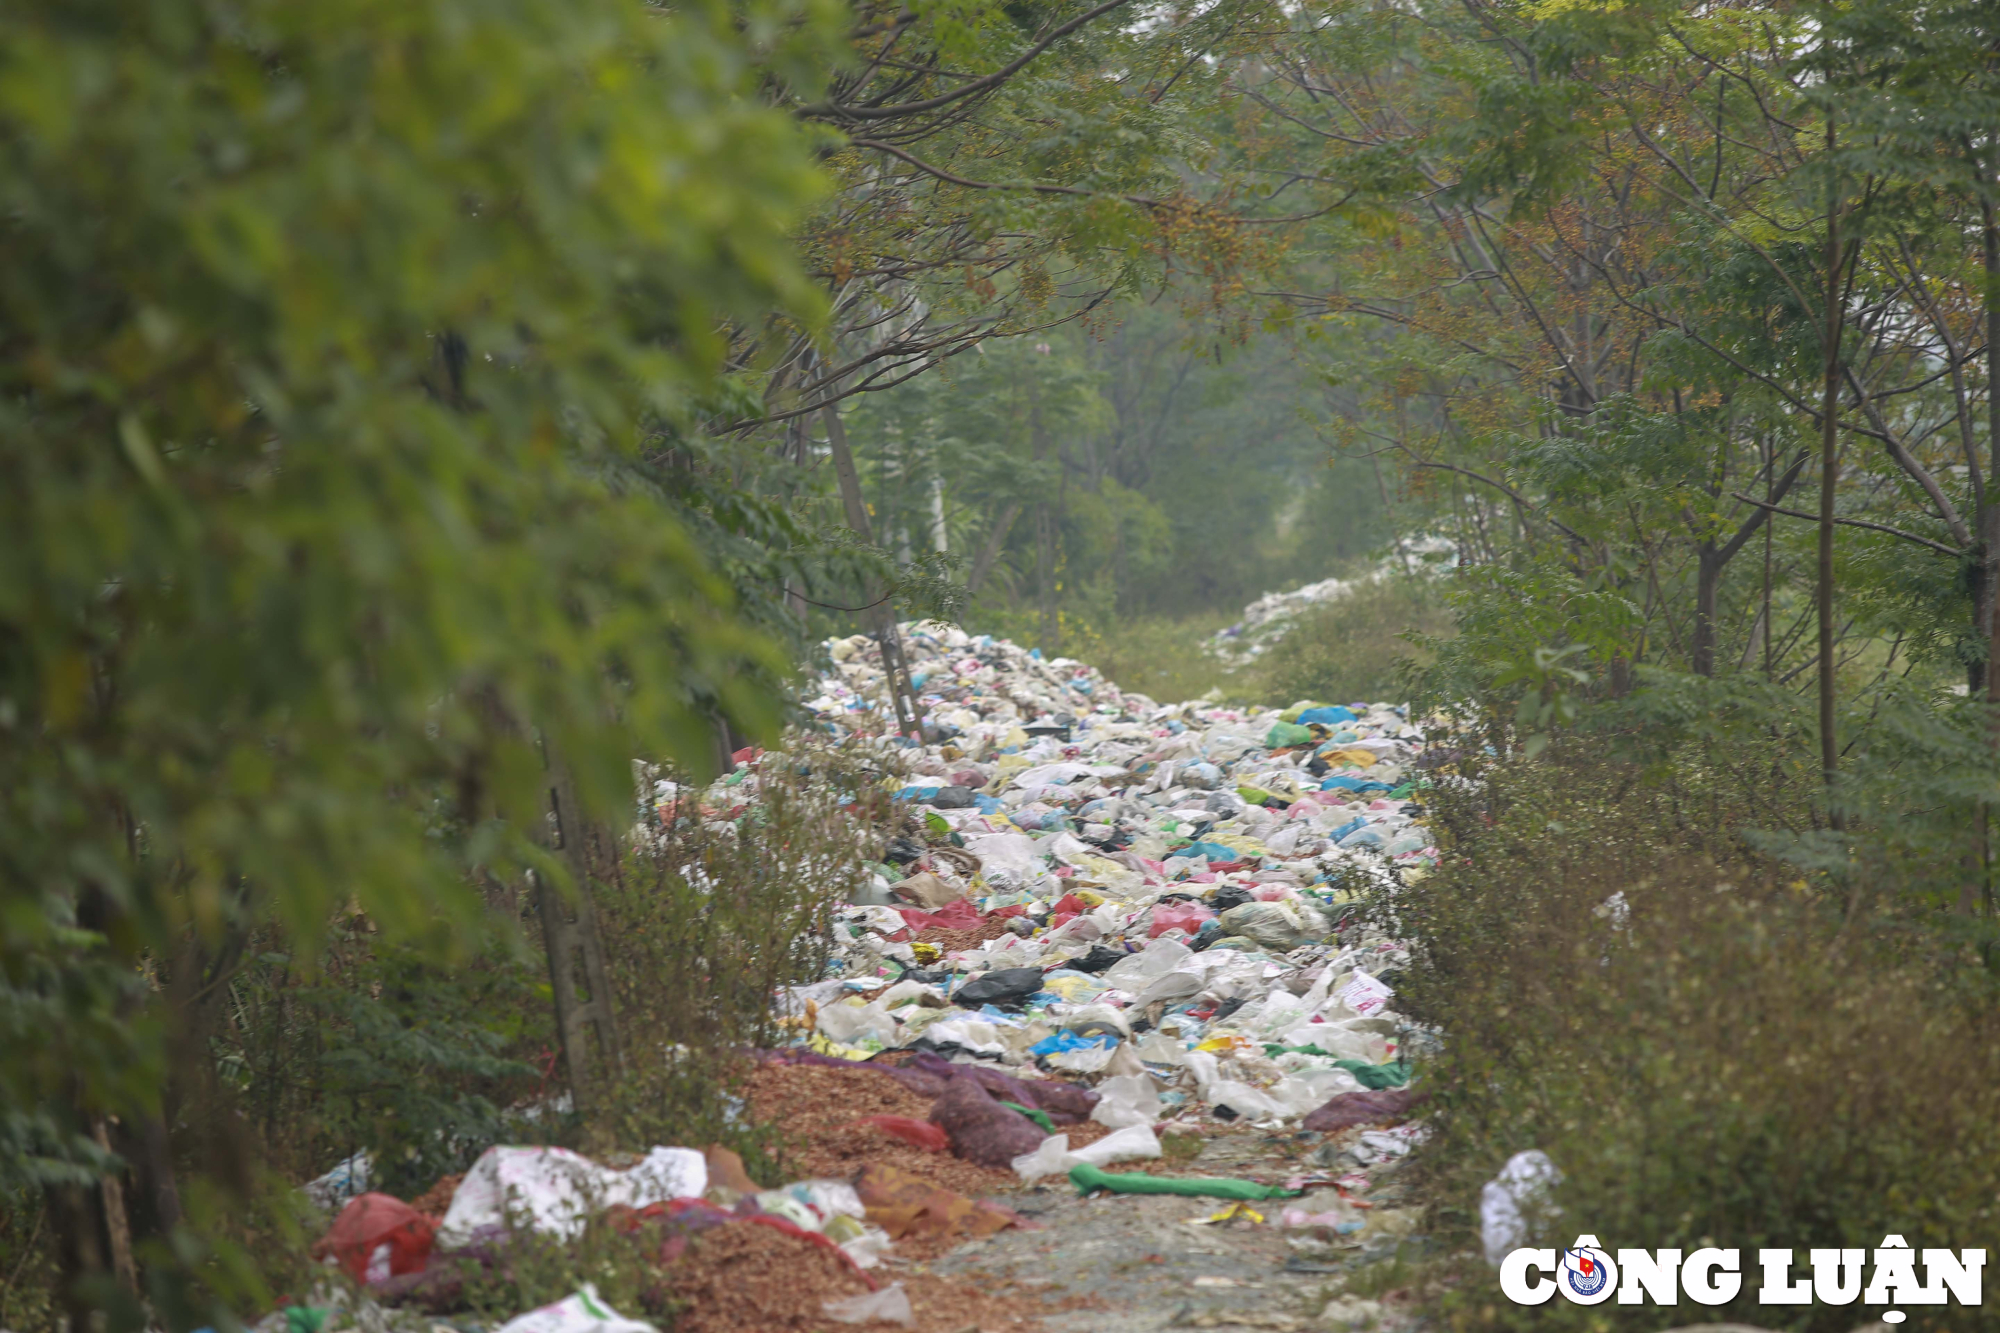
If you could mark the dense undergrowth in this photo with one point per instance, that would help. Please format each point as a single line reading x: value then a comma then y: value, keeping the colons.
x: 1717, y: 1040
x: 423, y: 1063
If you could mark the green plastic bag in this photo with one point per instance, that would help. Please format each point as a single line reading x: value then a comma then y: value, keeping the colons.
x: 1088, y: 1178
x: 1394, y: 1074
x: 1039, y: 1117
x: 1284, y: 734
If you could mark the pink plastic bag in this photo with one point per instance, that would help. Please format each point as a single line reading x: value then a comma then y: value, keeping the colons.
x: 1178, y: 916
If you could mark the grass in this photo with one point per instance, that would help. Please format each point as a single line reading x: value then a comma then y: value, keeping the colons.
x: 1163, y: 657
x: 1346, y: 650
x: 1351, y: 649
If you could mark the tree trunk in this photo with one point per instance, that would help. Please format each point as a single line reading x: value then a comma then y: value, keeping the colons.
x: 989, y: 554
x: 1708, y: 578
x: 1987, y: 588
x: 1829, y: 480
x: 586, y: 1022
x: 880, y: 618
x: 1990, y: 528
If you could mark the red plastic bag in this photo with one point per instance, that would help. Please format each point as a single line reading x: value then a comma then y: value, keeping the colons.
x: 1178, y: 916
x: 916, y: 1133
x: 370, y: 1221
x: 959, y: 914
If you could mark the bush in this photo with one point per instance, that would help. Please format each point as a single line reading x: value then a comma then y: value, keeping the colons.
x: 1712, y: 1049
x: 710, y: 915
x: 1355, y: 648
x: 1161, y: 657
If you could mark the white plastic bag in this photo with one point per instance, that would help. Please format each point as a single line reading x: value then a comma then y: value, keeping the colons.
x: 846, y: 1022
x: 1133, y: 971
x: 890, y: 1305
x: 862, y: 1242
x: 1247, y: 1102
x: 1134, y: 1143
x: 1131, y: 1144
x: 556, y: 1190
x: 1521, y: 1187
x: 582, y: 1312
x: 1050, y: 1158
x: 1127, y: 1100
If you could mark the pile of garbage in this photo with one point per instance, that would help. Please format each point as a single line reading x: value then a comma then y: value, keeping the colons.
x: 1102, y: 922
x: 1160, y: 899
x: 1268, y: 619
x: 723, y: 1254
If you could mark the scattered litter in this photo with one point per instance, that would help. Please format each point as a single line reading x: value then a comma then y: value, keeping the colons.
x: 1098, y: 914
x: 1088, y: 1178
x: 556, y: 1190
x: 889, y: 1305
x: 1507, y: 1202
x: 583, y: 1312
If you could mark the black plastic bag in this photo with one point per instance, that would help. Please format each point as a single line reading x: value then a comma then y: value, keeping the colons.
x: 1007, y: 986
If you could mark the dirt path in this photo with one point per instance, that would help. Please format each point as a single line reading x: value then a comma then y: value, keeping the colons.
x: 1133, y: 1263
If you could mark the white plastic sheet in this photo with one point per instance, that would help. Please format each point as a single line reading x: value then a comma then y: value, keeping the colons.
x: 582, y: 1312
x: 1521, y: 1188
x: 556, y: 1191
x: 889, y: 1305
x: 1135, y: 1143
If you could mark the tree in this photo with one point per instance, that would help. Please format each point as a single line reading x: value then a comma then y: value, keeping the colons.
x: 332, y: 332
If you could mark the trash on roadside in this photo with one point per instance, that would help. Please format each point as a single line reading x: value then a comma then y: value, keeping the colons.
x: 582, y: 1312
x: 891, y: 1305
x: 1088, y: 1178
x: 1507, y: 1202
x: 378, y: 1236
x: 556, y: 1190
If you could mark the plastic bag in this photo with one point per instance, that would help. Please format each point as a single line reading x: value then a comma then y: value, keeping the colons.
x: 957, y: 915
x: 1097, y: 961
x: 859, y: 1241
x: 1247, y: 1102
x: 1173, y: 986
x: 848, y: 1023
x: 1178, y: 916
x: 1074, y: 987
x: 926, y: 891
x: 583, y: 1312
x: 1131, y: 1144
x: 903, y: 1204
x: 371, y: 1222
x: 1282, y: 926
x: 1003, y: 986
x: 889, y: 1305
x: 556, y: 1189
x: 1070, y: 1050
x: 1521, y: 1188
x: 1129, y: 1099
x: 981, y: 1130
x: 1053, y: 1157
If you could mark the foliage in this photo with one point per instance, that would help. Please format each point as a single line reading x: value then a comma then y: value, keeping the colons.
x: 382, y: 1051
x: 1362, y: 646
x: 1713, y: 1047
x: 325, y: 323
x: 715, y: 909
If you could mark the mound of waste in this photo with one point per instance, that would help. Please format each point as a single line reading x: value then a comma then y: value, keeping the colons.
x: 1268, y: 619
x: 1104, y: 924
